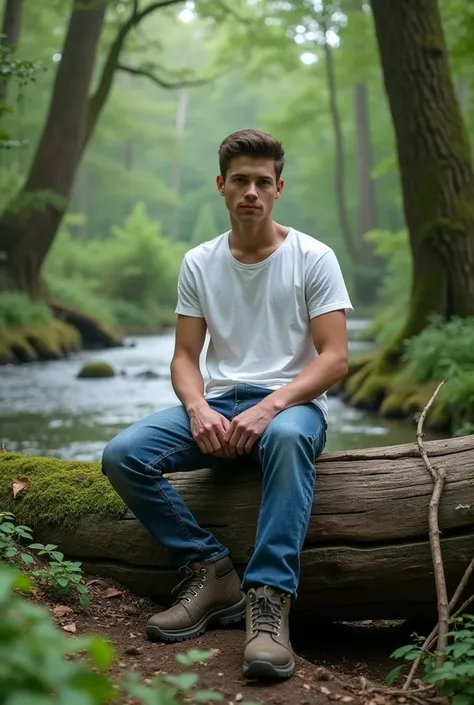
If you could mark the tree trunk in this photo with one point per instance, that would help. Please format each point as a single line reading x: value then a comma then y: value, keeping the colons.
x: 340, y: 188
x: 181, y: 119
x: 434, y: 156
x: 11, y: 28
x: 366, y: 211
x: 366, y: 554
x: 26, y: 237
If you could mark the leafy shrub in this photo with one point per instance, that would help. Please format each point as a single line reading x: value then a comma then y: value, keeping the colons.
x: 40, y: 665
x: 394, y: 293
x: 17, y: 309
x: 128, y: 278
x: 59, y: 575
x: 456, y: 678
x: 443, y: 349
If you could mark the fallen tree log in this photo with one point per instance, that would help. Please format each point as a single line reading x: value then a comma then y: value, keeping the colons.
x: 367, y: 552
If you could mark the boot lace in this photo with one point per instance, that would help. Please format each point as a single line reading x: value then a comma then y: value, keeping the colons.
x: 266, y: 614
x: 193, y: 580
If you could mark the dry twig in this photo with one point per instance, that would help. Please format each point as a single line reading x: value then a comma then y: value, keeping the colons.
x: 444, y: 609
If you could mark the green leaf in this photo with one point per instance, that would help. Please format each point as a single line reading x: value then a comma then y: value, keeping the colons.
x: 23, y: 532
x: 461, y: 649
x: 11, y: 551
x: 71, y: 696
x: 22, y: 697
x: 204, y: 696
x: 393, y: 675
x: 96, y: 684
x: 50, y: 547
x: 184, y: 681
x: 27, y: 559
x: 57, y: 555
x: 62, y: 582
x: 7, y: 527
x: 101, y: 652
x: 36, y: 546
x: 462, y: 699
x: 194, y: 656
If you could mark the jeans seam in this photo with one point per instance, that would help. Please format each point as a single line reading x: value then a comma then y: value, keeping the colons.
x: 177, y: 517
x: 176, y: 449
x: 152, y: 466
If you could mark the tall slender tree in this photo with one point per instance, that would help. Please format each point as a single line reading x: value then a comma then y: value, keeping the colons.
x: 11, y: 28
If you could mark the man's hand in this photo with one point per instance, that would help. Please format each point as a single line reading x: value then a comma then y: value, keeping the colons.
x: 208, y: 428
x: 247, y: 427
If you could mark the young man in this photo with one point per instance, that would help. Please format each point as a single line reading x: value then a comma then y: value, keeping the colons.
x: 274, y: 303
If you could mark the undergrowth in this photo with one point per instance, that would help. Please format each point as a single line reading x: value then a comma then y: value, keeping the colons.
x: 455, y: 679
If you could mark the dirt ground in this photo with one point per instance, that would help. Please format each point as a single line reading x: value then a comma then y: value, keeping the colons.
x: 330, y: 661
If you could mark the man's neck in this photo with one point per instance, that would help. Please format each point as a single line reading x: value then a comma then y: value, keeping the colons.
x: 260, y: 238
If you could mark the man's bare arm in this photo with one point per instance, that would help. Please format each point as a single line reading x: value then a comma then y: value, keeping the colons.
x: 329, y: 332
x: 330, y: 339
x: 207, y: 426
x: 186, y: 376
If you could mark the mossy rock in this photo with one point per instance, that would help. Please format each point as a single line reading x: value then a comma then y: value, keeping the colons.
x: 16, y: 346
x: 418, y: 399
x: 58, y: 492
x: 38, y: 342
x: 96, y: 370
x: 392, y: 405
x: 372, y: 392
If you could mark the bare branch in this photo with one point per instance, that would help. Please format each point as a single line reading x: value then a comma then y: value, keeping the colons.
x: 153, y: 7
x: 185, y: 83
x: 439, y: 476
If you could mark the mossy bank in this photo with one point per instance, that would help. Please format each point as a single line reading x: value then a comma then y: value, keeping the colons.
x: 58, y: 491
x: 38, y: 341
x: 391, y: 396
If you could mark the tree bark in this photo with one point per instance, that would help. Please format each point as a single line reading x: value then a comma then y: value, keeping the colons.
x: 28, y: 227
x: 367, y: 550
x: 340, y: 187
x: 366, y: 210
x: 434, y: 157
x: 11, y: 28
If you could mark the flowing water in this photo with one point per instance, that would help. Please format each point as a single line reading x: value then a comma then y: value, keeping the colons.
x: 46, y: 410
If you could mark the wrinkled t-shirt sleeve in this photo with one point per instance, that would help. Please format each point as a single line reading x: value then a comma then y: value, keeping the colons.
x: 325, y: 286
x: 188, y: 300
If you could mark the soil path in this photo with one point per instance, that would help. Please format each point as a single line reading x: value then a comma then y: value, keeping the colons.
x: 119, y: 616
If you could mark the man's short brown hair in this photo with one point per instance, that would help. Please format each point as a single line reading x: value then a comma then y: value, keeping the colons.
x: 251, y: 143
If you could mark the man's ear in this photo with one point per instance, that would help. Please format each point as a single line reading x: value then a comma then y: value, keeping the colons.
x: 280, y: 186
x: 220, y: 184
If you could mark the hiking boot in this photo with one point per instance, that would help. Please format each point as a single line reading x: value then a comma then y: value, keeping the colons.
x: 268, y: 653
x: 209, y: 595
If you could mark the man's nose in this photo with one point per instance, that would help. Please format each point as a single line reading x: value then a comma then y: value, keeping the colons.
x: 251, y: 192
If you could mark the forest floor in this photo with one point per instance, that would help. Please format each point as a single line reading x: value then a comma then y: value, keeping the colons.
x: 331, y: 663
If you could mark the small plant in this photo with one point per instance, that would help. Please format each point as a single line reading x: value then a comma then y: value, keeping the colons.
x: 455, y: 679
x: 39, y: 665
x: 10, y: 534
x: 64, y: 577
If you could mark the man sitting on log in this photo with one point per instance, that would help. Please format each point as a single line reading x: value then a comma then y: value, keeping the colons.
x: 274, y: 303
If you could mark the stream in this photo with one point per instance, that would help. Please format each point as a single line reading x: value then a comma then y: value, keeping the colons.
x: 46, y: 410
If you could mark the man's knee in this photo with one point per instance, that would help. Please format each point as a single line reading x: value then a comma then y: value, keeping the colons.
x: 114, y: 457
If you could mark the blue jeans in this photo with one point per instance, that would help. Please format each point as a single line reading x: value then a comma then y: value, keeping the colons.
x: 136, y: 459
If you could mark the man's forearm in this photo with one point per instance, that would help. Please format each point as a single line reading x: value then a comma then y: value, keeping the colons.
x: 188, y: 383
x: 316, y: 378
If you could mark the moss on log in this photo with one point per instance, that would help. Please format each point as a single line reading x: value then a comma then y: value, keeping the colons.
x: 366, y: 554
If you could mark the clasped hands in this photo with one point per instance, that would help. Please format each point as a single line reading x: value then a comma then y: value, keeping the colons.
x: 218, y: 436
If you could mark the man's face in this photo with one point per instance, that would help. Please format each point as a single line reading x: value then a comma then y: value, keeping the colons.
x: 250, y: 188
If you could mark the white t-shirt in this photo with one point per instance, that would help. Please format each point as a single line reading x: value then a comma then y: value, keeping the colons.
x: 258, y: 315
